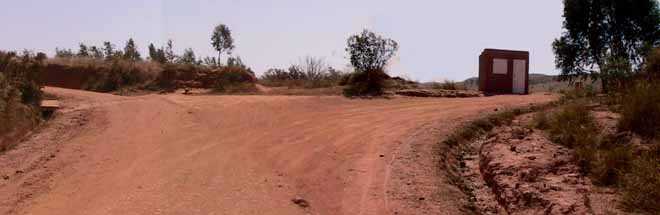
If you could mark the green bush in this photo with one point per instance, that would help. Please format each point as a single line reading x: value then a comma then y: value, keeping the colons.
x: 640, y: 110
x: 232, y: 79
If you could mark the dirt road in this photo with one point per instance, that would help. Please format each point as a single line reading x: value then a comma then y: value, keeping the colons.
x: 178, y: 154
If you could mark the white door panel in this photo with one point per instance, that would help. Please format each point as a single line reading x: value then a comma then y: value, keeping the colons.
x: 519, y: 73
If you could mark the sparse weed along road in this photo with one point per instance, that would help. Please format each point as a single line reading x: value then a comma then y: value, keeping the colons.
x: 178, y: 154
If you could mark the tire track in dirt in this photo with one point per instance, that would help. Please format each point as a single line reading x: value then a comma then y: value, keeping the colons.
x: 177, y: 154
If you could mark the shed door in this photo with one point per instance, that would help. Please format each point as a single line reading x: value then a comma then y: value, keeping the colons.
x: 519, y: 74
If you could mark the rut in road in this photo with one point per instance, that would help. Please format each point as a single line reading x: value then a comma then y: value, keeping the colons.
x: 177, y: 154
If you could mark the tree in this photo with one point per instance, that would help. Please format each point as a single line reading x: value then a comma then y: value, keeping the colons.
x: 96, y: 52
x: 601, y: 37
x: 169, y: 52
x: 63, y: 53
x: 369, y: 51
x: 369, y: 54
x: 157, y: 55
x: 110, y: 52
x: 188, y: 57
x: 83, y: 51
x: 131, y: 52
x: 222, y: 40
x: 211, y: 62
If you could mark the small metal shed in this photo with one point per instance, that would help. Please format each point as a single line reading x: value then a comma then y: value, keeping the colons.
x: 504, y: 71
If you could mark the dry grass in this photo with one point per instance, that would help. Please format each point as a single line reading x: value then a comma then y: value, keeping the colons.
x: 640, y: 110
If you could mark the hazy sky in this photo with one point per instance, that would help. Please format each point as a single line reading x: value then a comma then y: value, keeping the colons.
x: 438, y: 39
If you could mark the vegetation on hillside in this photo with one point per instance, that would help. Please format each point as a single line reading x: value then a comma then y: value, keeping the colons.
x: 109, y: 69
x: 20, y: 94
x: 311, y: 72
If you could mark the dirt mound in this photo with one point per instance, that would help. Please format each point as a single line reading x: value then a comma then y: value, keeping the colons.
x: 529, y: 174
x: 517, y: 170
x: 193, y: 76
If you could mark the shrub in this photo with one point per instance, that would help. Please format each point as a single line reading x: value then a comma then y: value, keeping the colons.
x: 573, y: 126
x: 640, y: 110
x: 540, y: 120
x: 310, y: 73
x: 368, y: 83
x: 608, y: 165
x: 641, y: 186
x: 233, y: 79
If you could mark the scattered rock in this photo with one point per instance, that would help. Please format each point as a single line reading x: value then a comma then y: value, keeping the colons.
x: 6, y: 177
x: 300, y: 202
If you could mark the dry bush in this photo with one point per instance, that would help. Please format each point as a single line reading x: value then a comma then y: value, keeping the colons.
x: 640, y: 110
x: 310, y: 73
x: 641, y: 186
x: 20, y: 95
x: 573, y: 125
x: 541, y: 120
x: 447, y: 85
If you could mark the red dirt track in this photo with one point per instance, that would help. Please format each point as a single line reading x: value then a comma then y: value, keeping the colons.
x: 178, y: 154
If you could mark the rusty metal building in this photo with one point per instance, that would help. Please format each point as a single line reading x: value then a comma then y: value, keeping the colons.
x: 504, y: 71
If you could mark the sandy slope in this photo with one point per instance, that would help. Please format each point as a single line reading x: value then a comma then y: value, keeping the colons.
x: 177, y: 154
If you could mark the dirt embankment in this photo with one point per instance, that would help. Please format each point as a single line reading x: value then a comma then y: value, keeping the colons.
x: 177, y: 154
x: 517, y: 170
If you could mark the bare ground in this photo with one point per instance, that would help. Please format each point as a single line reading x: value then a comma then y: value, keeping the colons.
x: 177, y: 154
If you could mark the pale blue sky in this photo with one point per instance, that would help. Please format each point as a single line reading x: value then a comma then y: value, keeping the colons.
x: 438, y: 39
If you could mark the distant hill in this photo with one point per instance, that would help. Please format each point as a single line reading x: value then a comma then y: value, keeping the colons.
x: 537, y: 83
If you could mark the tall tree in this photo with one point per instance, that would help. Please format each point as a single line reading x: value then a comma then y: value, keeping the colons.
x: 603, y: 36
x: 131, y: 51
x: 169, y: 52
x: 222, y: 40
